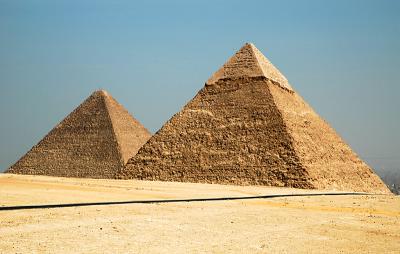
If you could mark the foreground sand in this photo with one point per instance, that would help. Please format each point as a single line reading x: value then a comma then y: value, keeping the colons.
x: 328, y: 224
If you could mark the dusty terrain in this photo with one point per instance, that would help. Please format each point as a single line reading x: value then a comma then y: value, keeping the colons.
x: 328, y: 224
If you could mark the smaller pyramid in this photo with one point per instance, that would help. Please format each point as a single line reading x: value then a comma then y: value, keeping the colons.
x: 93, y: 141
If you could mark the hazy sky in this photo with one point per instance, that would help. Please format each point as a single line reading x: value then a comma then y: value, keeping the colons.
x: 343, y: 57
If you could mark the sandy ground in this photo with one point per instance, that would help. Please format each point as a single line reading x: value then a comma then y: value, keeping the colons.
x: 319, y: 224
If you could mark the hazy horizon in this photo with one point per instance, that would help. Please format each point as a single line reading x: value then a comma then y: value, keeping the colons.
x: 342, y: 57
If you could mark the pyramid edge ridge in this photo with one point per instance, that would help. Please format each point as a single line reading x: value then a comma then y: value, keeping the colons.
x: 279, y: 78
x: 118, y: 146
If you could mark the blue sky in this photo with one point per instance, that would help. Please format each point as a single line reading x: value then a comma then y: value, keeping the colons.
x: 343, y: 57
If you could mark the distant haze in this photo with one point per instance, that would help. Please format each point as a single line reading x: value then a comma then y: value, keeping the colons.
x: 342, y: 56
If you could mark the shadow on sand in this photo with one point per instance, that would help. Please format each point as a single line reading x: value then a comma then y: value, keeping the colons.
x: 26, y: 207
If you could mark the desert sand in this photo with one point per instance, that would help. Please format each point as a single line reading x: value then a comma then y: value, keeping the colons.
x: 317, y: 224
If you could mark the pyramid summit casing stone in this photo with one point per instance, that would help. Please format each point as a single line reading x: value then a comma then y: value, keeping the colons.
x: 249, y: 62
x: 94, y: 141
x: 248, y: 126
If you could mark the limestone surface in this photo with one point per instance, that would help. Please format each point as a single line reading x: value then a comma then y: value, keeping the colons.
x: 249, y: 62
x: 94, y: 141
x: 248, y: 126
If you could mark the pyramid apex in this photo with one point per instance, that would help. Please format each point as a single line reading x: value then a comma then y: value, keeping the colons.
x: 248, y: 61
x: 101, y: 92
x: 248, y: 44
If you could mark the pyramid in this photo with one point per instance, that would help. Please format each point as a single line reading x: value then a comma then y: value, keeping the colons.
x: 93, y: 141
x: 248, y: 126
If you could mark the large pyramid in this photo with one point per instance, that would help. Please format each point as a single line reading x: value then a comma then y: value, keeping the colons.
x: 94, y: 141
x: 248, y: 126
